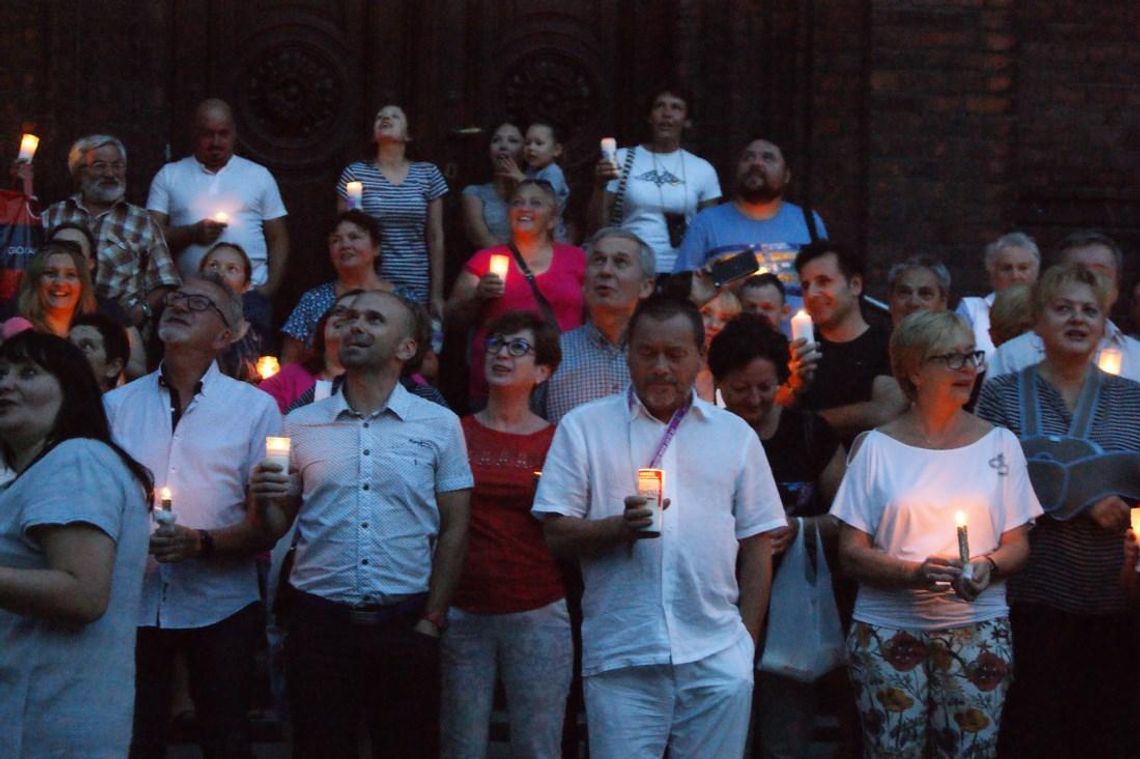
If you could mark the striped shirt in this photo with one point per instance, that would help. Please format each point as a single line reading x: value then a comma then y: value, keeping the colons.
x: 132, y: 255
x: 402, y: 211
x: 592, y: 367
x: 1073, y: 566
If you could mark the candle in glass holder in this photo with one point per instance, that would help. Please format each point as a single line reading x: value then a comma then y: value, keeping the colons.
x: 222, y: 217
x: 651, y: 487
x: 802, y: 327
x: 355, y: 193
x: 609, y: 149
x: 500, y: 265
x: 28, y: 145
x: 1109, y: 361
x: 267, y: 366
x: 277, y: 451
x: 164, y: 514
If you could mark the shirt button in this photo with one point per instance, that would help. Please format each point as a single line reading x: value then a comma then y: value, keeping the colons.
x: 364, y: 525
x: 366, y: 425
x: 365, y: 486
x: 364, y: 561
x: 365, y: 451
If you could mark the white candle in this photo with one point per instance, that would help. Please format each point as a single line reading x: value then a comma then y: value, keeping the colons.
x: 651, y: 487
x: 802, y: 327
x: 267, y: 366
x: 1109, y: 360
x: 355, y: 192
x: 277, y: 451
x: 222, y: 217
x: 609, y: 149
x: 500, y: 265
x: 28, y: 145
x: 963, y: 544
x: 165, y: 513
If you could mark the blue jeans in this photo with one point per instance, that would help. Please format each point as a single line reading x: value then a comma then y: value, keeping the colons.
x: 532, y: 653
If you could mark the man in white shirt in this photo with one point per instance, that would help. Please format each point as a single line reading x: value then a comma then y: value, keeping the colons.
x: 200, y: 433
x: 379, y: 490
x: 1099, y: 252
x: 214, y: 195
x: 669, y: 626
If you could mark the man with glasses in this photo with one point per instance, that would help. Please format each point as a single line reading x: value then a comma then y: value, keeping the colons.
x: 379, y: 487
x: 200, y: 433
x: 134, y: 265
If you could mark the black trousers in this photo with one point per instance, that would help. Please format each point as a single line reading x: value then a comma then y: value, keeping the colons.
x: 1074, y: 686
x: 341, y: 666
x: 219, y: 661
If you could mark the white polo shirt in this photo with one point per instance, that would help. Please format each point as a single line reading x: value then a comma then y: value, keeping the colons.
x: 672, y: 599
x: 206, y: 462
x: 1028, y: 349
x: 187, y: 192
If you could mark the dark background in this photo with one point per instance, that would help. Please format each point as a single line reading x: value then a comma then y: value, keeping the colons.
x: 913, y: 126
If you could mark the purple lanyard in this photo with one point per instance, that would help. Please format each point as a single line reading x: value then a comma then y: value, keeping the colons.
x: 670, y: 430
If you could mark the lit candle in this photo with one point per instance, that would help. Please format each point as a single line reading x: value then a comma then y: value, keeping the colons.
x: 355, y: 192
x: 28, y: 145
x: 1135, y: 514
x: 963, y: 543
x: 1109, y: 361
x: 267, y: 366
x: 651, y: 487
x: 500, y: 265
x: 609, y: 149
x: 221, y: 217
x: 165, y: 513
x: 277, y: 451
x: 802, y: 327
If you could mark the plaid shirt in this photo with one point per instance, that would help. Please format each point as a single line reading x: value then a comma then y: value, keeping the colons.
x: 592, y: 367
x: 127, y: 240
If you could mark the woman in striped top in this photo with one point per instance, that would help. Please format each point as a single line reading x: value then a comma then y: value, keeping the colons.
x: 405, y: 197
x: 1075, y: 680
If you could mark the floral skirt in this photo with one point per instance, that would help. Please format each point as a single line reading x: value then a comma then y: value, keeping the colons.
x: 926, y: 693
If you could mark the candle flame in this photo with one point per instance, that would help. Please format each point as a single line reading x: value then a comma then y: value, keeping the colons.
x: 960, y: 518
x: 267, y: 366
x: 221, y: 217
x: 499, y: 266
x: 28, y: 145
x: 1109, y: 361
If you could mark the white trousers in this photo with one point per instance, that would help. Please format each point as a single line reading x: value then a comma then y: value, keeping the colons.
x: 698, y: 710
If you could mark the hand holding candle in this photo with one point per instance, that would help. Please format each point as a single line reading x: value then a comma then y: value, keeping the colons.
x: 277, y: 451
x: 963, y: 544
x: 164, y: 514
x: 355, y: 195
x: 802, y: 326
x: 651, y: 487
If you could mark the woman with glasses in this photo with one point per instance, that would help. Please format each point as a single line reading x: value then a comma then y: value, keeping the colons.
x: 541, y: 276
x: 1074, y: 632
x: 934, y: 513
x: 354, y: 249
x: 508, y: 618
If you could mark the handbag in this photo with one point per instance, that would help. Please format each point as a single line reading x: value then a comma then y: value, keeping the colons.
x: 805, y: 639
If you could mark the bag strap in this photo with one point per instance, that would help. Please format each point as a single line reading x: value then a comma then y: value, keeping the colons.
x: 1030, y: 413
x: 617, y: 210
x: 809, y: 220
x: 1085, y: 410
x: 543, y: 303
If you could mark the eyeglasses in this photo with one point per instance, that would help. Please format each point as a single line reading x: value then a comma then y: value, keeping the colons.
x: 955, y: 361
x: 193, y: 302
x: 517, y: 347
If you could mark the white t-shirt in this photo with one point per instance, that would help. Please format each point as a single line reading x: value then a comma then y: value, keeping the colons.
x: 671, y: 599
x: 906, y: 498
x: 245, y: 191
x: 1028, y: 349
x: 976, y: 311
x: 675, y: 182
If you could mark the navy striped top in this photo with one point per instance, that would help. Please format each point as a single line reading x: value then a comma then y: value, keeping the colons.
x: 401, y: 210
x: 1073, y: 566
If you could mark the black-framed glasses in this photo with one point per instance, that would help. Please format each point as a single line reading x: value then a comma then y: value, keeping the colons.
x: 193, y: 302
x: 516, y: 347
x: 955, y: 361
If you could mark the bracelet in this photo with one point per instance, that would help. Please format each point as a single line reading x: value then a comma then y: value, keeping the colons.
x: 994, y: 572
x: 206, y: 546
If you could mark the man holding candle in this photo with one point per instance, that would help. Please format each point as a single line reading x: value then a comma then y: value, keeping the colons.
x: 134, y: 265
x: 669, y: 624
x: 187, y: 196
x: 1102, y: 254
x: 619, y: 275
x: 200, y: 433
x: 379, y: 490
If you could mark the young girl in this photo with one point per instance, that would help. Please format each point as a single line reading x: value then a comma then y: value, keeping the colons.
x: 542, y: 147
x: 230, y: 262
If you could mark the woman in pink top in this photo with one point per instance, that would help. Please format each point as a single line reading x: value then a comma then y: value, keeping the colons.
x: 558, y: 270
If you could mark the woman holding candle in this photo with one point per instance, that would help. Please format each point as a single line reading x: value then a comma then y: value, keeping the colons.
x: 406, y: 199
x: 485, y: 217
x: 1074, y: 634
x: 930, y: 652
x: 550, y: 285
x: 56, y: 288
x: 73, y: 546
x: 354, y: 249
x: 655, y: 189
x: 508, y: 617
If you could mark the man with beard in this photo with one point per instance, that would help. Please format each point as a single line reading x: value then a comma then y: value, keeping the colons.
x: 134, y: 266
x: 757, y: 215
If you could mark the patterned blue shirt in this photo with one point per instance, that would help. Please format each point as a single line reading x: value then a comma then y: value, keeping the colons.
x: 592, y: 367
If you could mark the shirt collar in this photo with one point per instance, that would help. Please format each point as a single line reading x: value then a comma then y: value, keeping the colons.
x: 207, y: 172
x: 598, y: 340
x: 636, y: 408
x: 204, y: 384
x: 398, y: 403
x: 77, y: 198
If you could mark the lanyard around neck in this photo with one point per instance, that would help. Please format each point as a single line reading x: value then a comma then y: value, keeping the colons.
x: 670, y: 429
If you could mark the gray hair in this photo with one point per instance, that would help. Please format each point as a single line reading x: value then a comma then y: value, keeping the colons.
x: 84, y: 145
x: 645, y: 255
x: 1083, y: 238
x: 1011, y: 240
x: 936, y: 267
x: 230, y: 303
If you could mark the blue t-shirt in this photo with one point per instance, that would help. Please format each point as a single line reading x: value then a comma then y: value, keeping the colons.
x: 724, y: 226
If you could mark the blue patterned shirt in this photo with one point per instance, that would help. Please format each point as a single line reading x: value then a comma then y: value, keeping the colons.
x: 592, y: 367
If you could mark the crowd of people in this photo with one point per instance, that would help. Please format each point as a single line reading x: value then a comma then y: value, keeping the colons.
x: 646, y: 441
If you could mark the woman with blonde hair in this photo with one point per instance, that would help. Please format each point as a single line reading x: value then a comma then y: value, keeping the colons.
x: 56, y: 287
